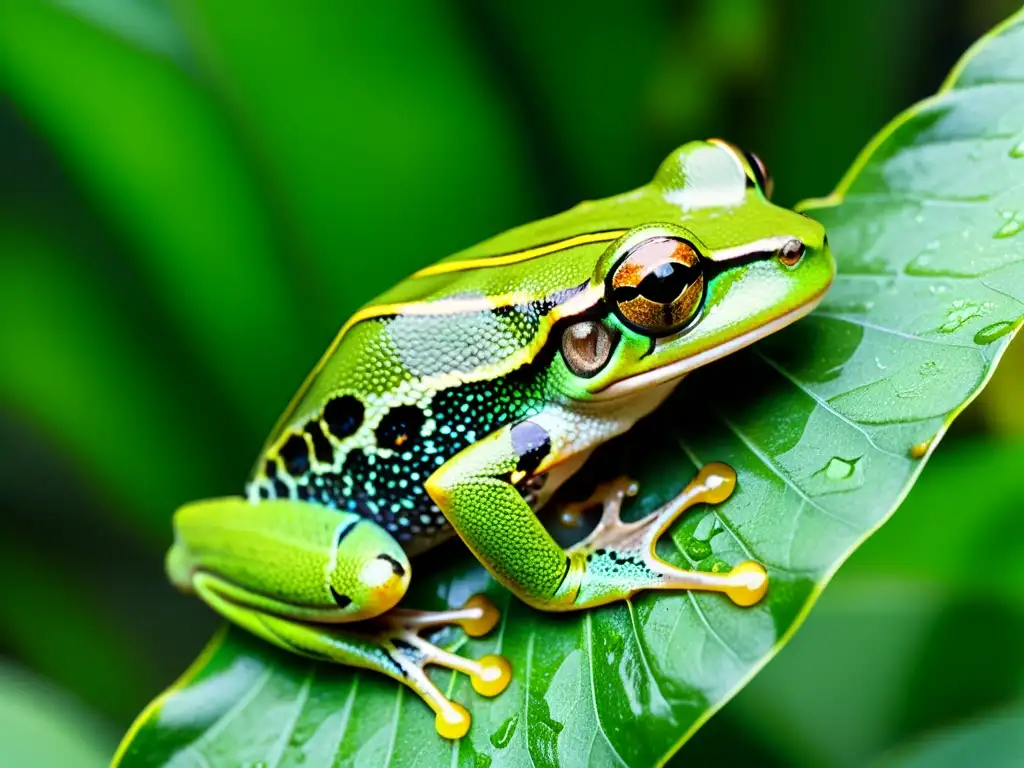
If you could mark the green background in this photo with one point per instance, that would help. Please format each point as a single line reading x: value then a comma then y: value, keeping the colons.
x: 193, y: 199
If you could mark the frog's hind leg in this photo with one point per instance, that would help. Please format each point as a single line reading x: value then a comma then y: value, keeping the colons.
x: 390, y: 644
x: 399, y: 632
x: 618, y: 559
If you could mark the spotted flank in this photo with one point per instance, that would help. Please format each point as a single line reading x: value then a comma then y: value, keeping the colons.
x: 420, y: 392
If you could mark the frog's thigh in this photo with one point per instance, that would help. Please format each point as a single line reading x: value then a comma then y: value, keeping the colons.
x: 476, y: 491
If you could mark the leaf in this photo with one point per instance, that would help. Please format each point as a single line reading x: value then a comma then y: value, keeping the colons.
x: 70, y: 354
x: 862, y: 672
x: 39, y: 725
x: 159, y: 161
x: 994, y: 741
x: 436, y: 129
x: 827, y: 424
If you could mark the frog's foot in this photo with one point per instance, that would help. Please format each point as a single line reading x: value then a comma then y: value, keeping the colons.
x: 391, y: 644
x: 489, y: 675
x: 607, y: 495
x: 618, y: 559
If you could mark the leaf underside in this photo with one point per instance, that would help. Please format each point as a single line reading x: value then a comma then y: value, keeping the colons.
x: 845, y: 408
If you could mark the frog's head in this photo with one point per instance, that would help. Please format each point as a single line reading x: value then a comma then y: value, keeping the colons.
x: 735, y: 269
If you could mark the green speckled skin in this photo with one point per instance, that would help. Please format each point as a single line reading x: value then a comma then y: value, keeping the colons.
x: 459, y: 400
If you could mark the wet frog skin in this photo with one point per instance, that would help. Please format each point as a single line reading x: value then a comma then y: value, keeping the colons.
x: 456, y: 403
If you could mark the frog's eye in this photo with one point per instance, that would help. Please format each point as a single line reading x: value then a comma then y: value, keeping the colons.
x: 658, y: 287
x: 586, y: 347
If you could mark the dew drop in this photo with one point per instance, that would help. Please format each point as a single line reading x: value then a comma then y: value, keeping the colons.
x: 1017, y: 150
x: 918, y: 450
x: 1012, y: 225
x: 300, y: 736
x: 698, y: 549
x: 839, y: 475
x: 839, y: 469
x: 991, y: 333
x: 960, y: 312
x: 504, y: 733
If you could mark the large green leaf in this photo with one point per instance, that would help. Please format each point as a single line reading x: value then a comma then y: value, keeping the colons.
x: 827, y: 424
x: 880, y: 660
x: 162, y: 165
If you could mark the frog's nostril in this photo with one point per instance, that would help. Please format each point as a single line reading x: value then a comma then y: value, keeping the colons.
x: 343, y: 601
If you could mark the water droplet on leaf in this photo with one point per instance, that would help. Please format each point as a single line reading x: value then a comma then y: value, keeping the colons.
x: 839, y: 475
x: 918, y: 450
x: 1012, y: 225
x: 698, y: 549
x: 839, y: 469
x: 993, y: 332
x: 960, y: 311
x: 503, y: 735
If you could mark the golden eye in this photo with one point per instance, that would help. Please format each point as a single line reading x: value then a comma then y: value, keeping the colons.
x: 586, y: 347
x: 791, y: 253
x: 658, y: 287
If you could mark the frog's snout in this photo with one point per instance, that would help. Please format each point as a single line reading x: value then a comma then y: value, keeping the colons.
x: 385, y: 578
x: 179, y: 569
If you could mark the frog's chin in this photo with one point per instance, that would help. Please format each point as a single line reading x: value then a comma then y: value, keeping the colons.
x: 674, y: 372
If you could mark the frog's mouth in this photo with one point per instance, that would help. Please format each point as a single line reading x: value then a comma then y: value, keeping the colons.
x: 673, y: 372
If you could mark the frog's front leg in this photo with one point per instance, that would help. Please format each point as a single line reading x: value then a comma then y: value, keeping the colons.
x: 477, y: 490
x: 323, y: 584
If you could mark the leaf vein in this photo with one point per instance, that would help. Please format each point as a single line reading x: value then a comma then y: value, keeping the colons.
x: 289, y: 730
x: 754, y: 449
x: 588, y: 623
x: 827, y: 406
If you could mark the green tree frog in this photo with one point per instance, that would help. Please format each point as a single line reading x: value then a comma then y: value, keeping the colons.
x: 457, y: 402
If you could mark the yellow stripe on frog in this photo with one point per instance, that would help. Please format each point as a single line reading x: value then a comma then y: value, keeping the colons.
x: 444, y: 267
x: 586, y: 298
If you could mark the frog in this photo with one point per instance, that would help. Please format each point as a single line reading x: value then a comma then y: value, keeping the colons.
x: 455, y: 404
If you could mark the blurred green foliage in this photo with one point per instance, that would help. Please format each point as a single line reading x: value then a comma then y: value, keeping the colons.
x: 193, y: 199
x: 41, y: 726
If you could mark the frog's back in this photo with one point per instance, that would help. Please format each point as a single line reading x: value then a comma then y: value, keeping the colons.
x: 433, y: 365
x: 452, y: 354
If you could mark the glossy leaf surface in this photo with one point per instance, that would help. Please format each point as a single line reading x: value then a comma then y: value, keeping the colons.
x: 827, y: 425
